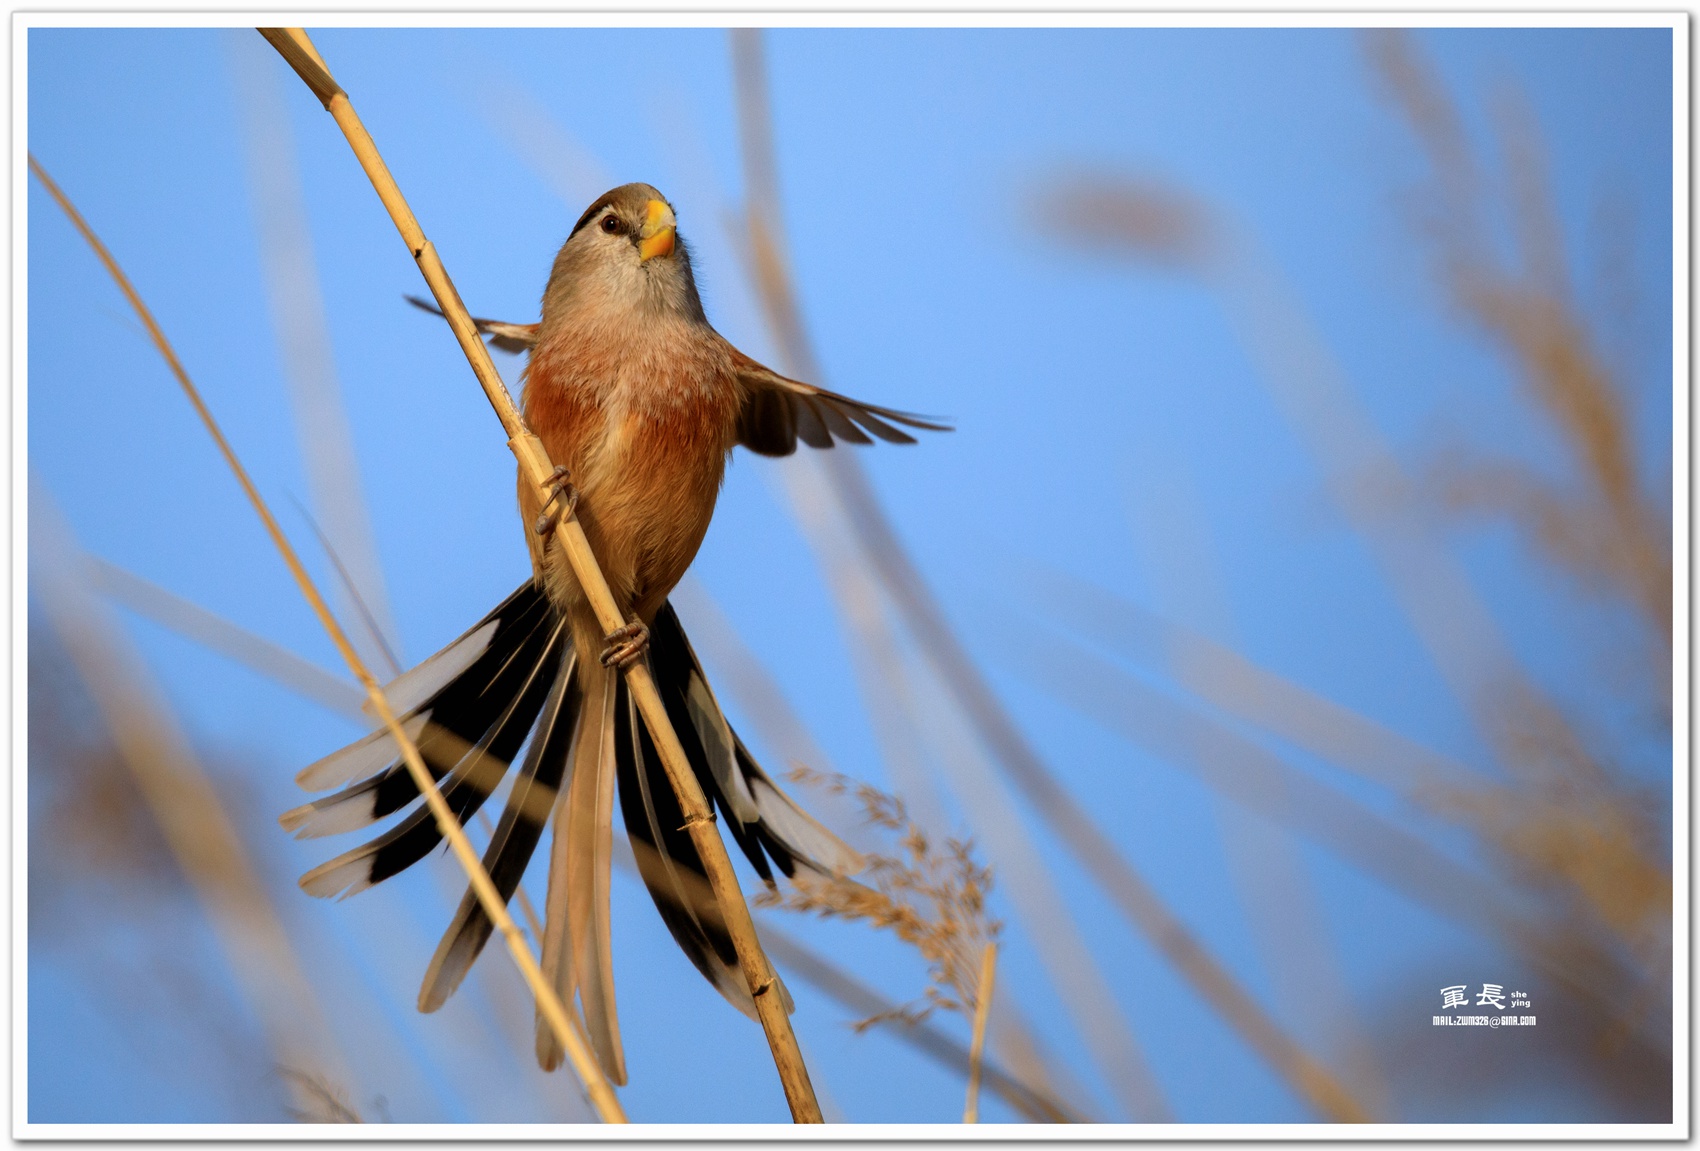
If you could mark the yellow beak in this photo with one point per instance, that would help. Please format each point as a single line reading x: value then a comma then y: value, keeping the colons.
x: 655, y: 238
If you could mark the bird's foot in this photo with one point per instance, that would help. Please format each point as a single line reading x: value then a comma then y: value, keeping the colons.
x: 561, y: 502
x: 626, y: 645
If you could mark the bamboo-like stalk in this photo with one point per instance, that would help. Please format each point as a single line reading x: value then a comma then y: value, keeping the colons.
x: 1018, y: 761
x: 590, y: 1072
x: 321, y: 424
x: 295, y: 47
x: 977, y: 1047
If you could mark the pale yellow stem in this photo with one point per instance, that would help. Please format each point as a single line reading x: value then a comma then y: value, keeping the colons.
x: 982, y: 1012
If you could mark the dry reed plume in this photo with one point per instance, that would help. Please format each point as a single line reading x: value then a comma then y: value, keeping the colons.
x: 1605, y: 527
x: 934, y: 900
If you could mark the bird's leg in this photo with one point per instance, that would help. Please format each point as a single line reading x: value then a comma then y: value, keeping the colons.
x: 626, y: 645
x: 561, y: 502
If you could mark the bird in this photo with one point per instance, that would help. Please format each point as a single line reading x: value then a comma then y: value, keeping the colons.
x: 640, y: 403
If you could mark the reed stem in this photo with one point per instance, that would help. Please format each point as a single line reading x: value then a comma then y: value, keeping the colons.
x: 590, y: 1072
x: 982, y: 1012
x: 295, y: 47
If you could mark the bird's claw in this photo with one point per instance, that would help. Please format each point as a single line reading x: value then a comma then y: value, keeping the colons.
x: 560, y: 504
x: 626, y: 645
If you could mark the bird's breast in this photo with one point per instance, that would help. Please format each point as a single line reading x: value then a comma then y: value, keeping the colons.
x: 609, y: 398
x: 644, y: 423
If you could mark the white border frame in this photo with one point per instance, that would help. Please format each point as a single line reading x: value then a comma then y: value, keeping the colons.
x: 699, y: 15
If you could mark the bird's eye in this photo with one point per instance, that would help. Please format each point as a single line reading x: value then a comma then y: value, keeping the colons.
x: 611, y: 224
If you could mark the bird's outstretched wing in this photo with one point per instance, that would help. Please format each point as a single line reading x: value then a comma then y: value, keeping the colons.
x: 779, y: 411
x: 513, y: 338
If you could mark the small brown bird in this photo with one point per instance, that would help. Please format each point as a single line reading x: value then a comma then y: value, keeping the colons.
x: 640, y: 401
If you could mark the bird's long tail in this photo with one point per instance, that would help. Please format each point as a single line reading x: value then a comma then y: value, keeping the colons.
x: 470, y: 707
x: 577, y: 949
x: 771, y: 830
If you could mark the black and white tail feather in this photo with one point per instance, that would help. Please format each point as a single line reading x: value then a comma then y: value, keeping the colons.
x: 471, y: 708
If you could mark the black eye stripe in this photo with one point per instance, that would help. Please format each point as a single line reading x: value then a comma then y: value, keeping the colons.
x: 590, y: 213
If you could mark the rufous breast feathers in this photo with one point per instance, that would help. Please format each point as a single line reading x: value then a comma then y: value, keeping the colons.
x: 644, y: 425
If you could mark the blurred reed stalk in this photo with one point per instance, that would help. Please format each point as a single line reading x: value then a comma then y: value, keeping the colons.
x: 549, y: 1003
x: 1569, y: 832
x: 1591, y: 832
x: 1612, y: 534
x: 1228, y: 681
x: 884, y: 553
x: 1270, y: 876
x: 1245, y: 772
x: 291, y: 276
x: 197, y: 827
x: 1174, y: 231
x: 295, y: 47
x: 215, y: 633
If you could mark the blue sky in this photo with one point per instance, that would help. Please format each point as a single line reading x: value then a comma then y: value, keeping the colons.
x: 917, y: 170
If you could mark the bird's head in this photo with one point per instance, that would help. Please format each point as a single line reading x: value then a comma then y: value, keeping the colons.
x: 624, y: 253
